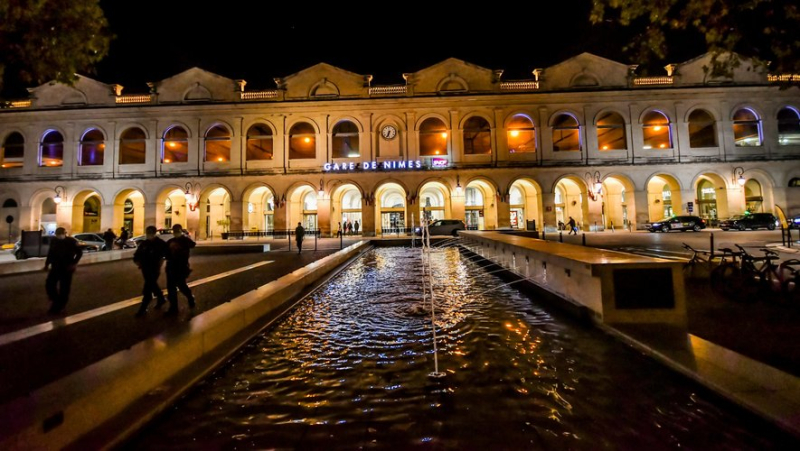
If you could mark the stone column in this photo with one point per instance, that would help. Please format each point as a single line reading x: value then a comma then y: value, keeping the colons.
x: 642, y: 205
x: 25, y: 219
x: 64, y: 216
x: 280, y: 217
x: 324, y: 216
x: 457, y: 205
x: 686, y: 196
x: 150, y: 216
x: 367, y: 219
x: 193, y: 225
x: 594, y: 215
x: 549, y: 213
x: 413, y: 213
x: 237, y: 210
x: 503, y: 214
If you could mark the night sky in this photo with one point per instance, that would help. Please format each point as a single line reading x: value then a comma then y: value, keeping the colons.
x: 258, y: 41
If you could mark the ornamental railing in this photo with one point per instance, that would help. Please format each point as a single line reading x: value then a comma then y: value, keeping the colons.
x: 19, y: 104
x: 519, y: 85
x: 388, y: 90
x: 653, y: 81
x: 783, y: 78
x: 134, y: 98
x: 268, y: 94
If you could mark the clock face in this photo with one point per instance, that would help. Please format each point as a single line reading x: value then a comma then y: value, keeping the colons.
x: 389, y: 132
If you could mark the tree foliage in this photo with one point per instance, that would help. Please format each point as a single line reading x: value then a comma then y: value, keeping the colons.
x: 43, y: 40
x: 768, y: 30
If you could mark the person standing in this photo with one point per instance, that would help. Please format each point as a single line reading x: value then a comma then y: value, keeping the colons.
x: 355, y: 227
x: 178, y: 248
x: 349, y: 228
x: 109, y: 236
x: 149, y: 257
x: 573, y: 228
x: 299, y: 234
x: 62, y: 259
x: 339, y: 231
x: 123, y: 237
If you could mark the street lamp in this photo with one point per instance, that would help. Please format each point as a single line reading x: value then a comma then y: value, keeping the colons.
x: 59, y: 191
x: 321, y: 191
x: 191, y: 195
x: 740, y: 172
x: 458, y: 185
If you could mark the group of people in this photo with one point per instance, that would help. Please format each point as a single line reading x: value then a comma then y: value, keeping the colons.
x: 349, y: 228
x: 110, y: 238
x: 65, y: 253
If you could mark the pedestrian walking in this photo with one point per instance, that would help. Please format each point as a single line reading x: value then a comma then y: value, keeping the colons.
x: 349, y: 228
x: 573, y: 228
x: 149, y: 257
x: 355, y: 227
x: 299, y: 233
x: 62, y: 259
x: 178, y: 248
x: 109, y: 236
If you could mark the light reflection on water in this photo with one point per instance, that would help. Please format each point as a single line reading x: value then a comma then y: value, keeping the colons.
x: 348, y: 368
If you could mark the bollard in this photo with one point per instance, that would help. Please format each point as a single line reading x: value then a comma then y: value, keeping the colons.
x: 560, y: 237
x: 341, y: 240
x: 315, y: 240
x: 544, y: 236
x: 783, y: 236
x: 612, y: 227
x: 711, y: 238
x: 583, y: 238
x: 289, y: 234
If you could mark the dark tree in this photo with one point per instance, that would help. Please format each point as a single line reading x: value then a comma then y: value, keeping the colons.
x: 43, y: 40
x: 768, y: 30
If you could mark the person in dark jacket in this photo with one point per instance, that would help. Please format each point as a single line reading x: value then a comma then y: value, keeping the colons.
x: 123, y: 237
x: 355, y: 227
x: 573, y: 226
x: 299, y: 234
x: 149, y: 257
x: 109, y: 236
x: 62, y: 259
x: 178, y: 248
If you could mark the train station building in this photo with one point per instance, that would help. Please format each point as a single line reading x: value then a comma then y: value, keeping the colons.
x: 587, y: 138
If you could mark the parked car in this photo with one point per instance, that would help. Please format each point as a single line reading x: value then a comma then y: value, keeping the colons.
x: 96, y: 239
x: 682, y: 223
x: 41, y: 251
x: 794, y: 223
x: 164, y: 234
x: 444, y: 227
x: 752, y: 221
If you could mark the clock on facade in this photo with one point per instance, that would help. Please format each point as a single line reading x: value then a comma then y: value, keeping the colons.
x: 389, y: 132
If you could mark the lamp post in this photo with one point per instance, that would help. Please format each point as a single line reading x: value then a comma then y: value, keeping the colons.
x: 594, y: 184
x: 458, y: 185
x: 740, y: 172
x: 321, y: 192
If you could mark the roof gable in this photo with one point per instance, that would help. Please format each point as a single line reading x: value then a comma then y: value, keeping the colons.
x: 85, y: 91
x: 585, y: 71
x: 453, y: 75
x: 324, y: 81
x: 194, y: 85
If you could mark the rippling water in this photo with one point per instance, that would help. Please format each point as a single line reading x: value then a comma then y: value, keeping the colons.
x: 349, y: 367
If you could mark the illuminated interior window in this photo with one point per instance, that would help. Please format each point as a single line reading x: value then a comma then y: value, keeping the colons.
x: 702, y: 129
x: 611, y: 132
x: 788, y: 127
x: 345, y: 140
x: 259, y: 143
x: 746, y: 128
x: 566, y: 133
x: 132, y: 146
x: 302, y: 141
x: 656, y: 131
x: 13, y: 151
x: 218, y: 144
x: 521, y: 134
x: 92, y: 149
x: 51, y: 150
x: 477, y: 136
x: 432, y: 138
x: 176, y: 146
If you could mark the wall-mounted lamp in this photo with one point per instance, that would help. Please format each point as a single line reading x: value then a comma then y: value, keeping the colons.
x: 60, y: 190
x: 458, y: 185
x: 192, y: 195
x: 594, y: 184
x: 321, y: 191
x: 740, y: 172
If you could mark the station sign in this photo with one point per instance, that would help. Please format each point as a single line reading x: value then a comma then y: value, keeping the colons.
x: 690, y: 207
x: 373, y: 166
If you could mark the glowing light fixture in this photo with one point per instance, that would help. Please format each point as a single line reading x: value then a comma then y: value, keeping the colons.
x: 191, y: 196
x: 307, y: 140
x: 59, y: 190
x: 167, y: 160
x: 458, y: 185
x: 657, y: 128
x: 444, y: 135
x: 662, y: 146
x: 514, y: 133
x: 740, y: 172
x: 220, y: 159
x: 321, y: 191
x: 605, y: 147
x: 594, y: 184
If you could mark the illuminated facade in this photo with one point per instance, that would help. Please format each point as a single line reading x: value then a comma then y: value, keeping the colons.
x: 585, y: 138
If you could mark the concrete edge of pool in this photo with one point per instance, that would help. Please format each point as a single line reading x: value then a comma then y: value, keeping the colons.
x: 759, y: 388
x: 102, y: 404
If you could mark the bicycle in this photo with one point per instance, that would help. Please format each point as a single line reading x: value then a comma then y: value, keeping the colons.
x: 749, y: 276
x: 790, y: 279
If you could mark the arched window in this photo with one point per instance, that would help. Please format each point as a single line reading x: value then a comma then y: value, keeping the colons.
x: 432, y: 138
x: 746, y: 128
x: 788, y: 127
x: 521, y: 135
x: 9, y: 203
x: 655, y: 131
x: 13, y: 151
x: 753, y: 196
x: 310, y: 201
x: 566, y: 133
x: 92, y: 148
x: 176, y: 146
x: 218, y: 144
x: 302, y: 141
x: 51, y: 150
x: 515, y: 196
x: 611, y: 132
x: 259, y: 143
x: 345, y: 140
x: 477, y: 136
x: 794, y: 182
x: 132, y: 146
x: 473, y: 197
x: 702, y: 129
